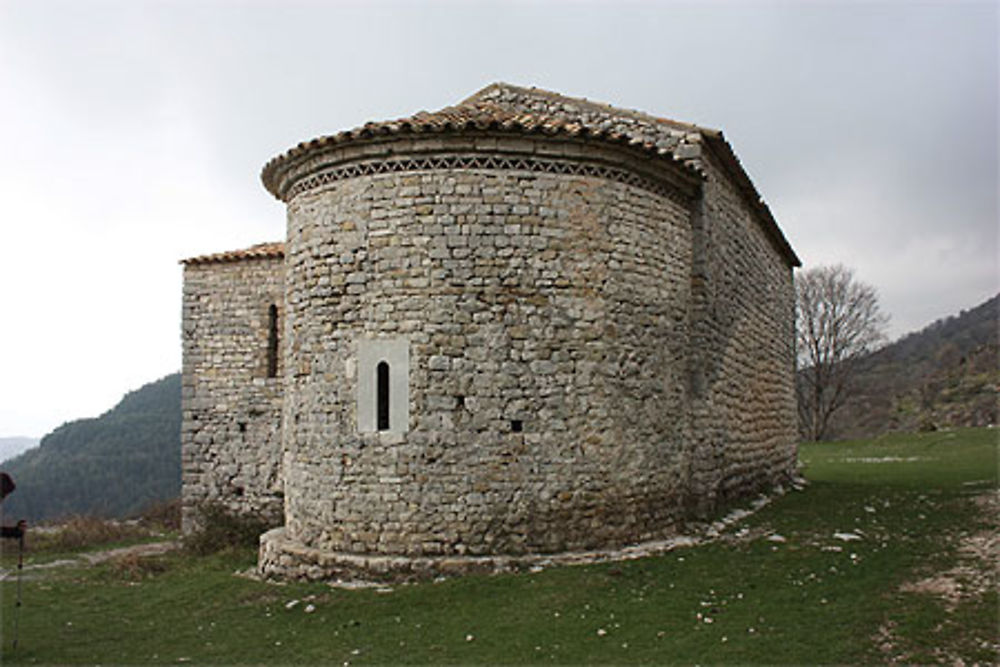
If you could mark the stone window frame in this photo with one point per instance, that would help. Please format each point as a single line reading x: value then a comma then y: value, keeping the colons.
x: 371, y: 353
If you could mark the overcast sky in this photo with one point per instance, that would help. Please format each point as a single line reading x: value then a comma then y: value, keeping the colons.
x: 133, y: 134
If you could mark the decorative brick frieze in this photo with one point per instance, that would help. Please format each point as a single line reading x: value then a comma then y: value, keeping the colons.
x: 488, y: 162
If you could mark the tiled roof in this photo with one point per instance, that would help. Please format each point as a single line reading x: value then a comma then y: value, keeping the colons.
x: 479, y: 115
x: 469, y: 115
x: 274, y: 250
x: 569, y: 104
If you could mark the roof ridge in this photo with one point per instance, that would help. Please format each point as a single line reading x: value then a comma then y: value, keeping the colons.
x: 479, y: 96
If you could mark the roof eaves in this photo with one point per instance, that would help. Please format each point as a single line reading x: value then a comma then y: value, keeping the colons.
x: 479, y: 116
x: 271, y: 250
x: 727, y: 157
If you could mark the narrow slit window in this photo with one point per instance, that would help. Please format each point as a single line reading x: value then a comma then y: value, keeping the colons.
x: 382, y: 396
x: 381, y: 386
x: 272, y: 341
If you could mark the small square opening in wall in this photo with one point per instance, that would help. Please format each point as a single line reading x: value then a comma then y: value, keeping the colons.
x: 516, y: 425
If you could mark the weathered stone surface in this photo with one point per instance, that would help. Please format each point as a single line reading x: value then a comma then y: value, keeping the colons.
x: 483, y: 492
x: 231, y: 433
x: 600, y: 342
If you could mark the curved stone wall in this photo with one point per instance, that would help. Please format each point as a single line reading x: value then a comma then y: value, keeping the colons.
x: 542, y: 288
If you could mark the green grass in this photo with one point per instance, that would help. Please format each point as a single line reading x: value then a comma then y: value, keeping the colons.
x: 813, y: 598
x: 942, y: 460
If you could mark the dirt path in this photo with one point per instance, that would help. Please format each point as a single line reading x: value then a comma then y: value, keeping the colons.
x: 976, y: 573
x: 33, y: 570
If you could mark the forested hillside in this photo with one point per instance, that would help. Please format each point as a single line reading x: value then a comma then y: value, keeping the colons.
x: 113, y: 465
x: 945, y: 375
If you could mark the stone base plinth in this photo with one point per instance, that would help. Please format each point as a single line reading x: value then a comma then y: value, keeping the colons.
x: 283, y: 558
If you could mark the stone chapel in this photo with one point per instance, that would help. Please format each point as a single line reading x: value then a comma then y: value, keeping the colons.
x: 525, y: 324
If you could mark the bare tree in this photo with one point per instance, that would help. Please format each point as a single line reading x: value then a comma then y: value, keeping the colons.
x: 839, y: 321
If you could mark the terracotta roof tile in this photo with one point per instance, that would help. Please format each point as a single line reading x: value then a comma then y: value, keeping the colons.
x: 469, y: 115
x: 275, y: 250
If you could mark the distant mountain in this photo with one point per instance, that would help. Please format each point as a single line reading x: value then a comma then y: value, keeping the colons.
x: 113, y: 465
x: 13, y: 446
x: 945, y: 375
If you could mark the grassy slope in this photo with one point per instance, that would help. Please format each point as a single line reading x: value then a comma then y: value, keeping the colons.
x: 798, y: 601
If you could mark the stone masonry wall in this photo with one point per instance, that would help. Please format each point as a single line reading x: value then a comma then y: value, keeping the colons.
x: 548, y: 319
x: 231, y: 428
x: 743, y: 359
